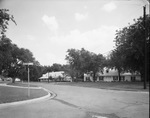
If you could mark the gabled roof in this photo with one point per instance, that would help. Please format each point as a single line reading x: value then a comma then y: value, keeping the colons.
x: 110, y: 72
x: 130, y: 74
x: 114, y: 72
x: 52, y: 74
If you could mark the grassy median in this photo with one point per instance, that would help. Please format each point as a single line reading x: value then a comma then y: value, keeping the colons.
x: 13, y: 94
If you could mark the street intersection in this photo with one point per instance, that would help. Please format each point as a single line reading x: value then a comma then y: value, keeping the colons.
x: 79, y: 102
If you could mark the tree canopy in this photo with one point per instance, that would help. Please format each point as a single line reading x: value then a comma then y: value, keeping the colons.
x: 130, y: 46
x: 4, y: 18
x: 82, y: 61
x: 11, y: 56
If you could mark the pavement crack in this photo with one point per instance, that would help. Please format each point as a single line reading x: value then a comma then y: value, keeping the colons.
x: 67, y: 103
x: 131, y: 103
x: 101, y: 115
x: 92, y: 114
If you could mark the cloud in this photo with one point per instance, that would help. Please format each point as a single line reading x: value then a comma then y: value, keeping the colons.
x: 109, y: 7
x: 30, y: 37
x: 85, y: 7
x: 99, y: 40
x: 96, y: 40
x: 50, y: 22
x: 52, y: 58
x: 80, y: 17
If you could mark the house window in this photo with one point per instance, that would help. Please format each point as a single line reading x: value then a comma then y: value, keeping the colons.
x: 101, y: 78
x: 122, y: 78
x: 115, y: 78
x: 133, y: 78
x: 107, y: 71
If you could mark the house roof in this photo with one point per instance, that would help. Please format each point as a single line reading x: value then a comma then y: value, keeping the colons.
x: 113, y: 72
x: 129, y: 74
x: 53, y: 74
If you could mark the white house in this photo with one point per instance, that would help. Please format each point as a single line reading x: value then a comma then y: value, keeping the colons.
x: 55, y: 76
x: 112, y: 75
x: 44, y: 77
x: 132, y: 76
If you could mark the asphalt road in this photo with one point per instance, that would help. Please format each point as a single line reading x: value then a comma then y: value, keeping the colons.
x: 78, y: 102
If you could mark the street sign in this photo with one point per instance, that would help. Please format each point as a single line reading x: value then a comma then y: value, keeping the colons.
x: 28, y: 77
x: 27, y: 63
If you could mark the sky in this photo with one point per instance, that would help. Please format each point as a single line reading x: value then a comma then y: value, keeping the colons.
x: 48, y: 28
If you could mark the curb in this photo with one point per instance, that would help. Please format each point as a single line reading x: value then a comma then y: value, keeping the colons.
x: 126, y: 90
x: 20, y: 86
x: 50, y: 95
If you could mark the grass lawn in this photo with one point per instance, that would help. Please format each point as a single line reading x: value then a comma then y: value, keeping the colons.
x: 12, y: 94
x: 21, y: 84
x: 133, y: 86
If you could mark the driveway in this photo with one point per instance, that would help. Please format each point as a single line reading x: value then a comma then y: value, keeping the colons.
x: 79, y: 102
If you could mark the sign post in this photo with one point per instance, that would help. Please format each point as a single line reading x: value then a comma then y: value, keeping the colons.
x: 27, y: 64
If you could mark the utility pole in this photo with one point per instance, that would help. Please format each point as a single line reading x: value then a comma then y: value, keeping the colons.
x: 145, y: 46
x: 148, y: 45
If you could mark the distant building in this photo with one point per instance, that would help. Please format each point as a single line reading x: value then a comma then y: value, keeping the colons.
x: 112, y: 75
x: 55, y: 76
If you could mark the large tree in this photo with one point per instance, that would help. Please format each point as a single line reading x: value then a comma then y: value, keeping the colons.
x: 35, y: 73
x: 56, y: 67
x: 73, y: 59
x: 130, y: 41
x: 116, y: 61
x: 82, y: 61
x: 11, y: 56
x: 5, y: 52
x: 18, y: 57
x: 4, y: 18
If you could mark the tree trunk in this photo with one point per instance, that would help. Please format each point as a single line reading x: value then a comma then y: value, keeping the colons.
x: 142, y: 75
x: 119, y: 75
x: 94, y: 77
x: 13, y: 80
